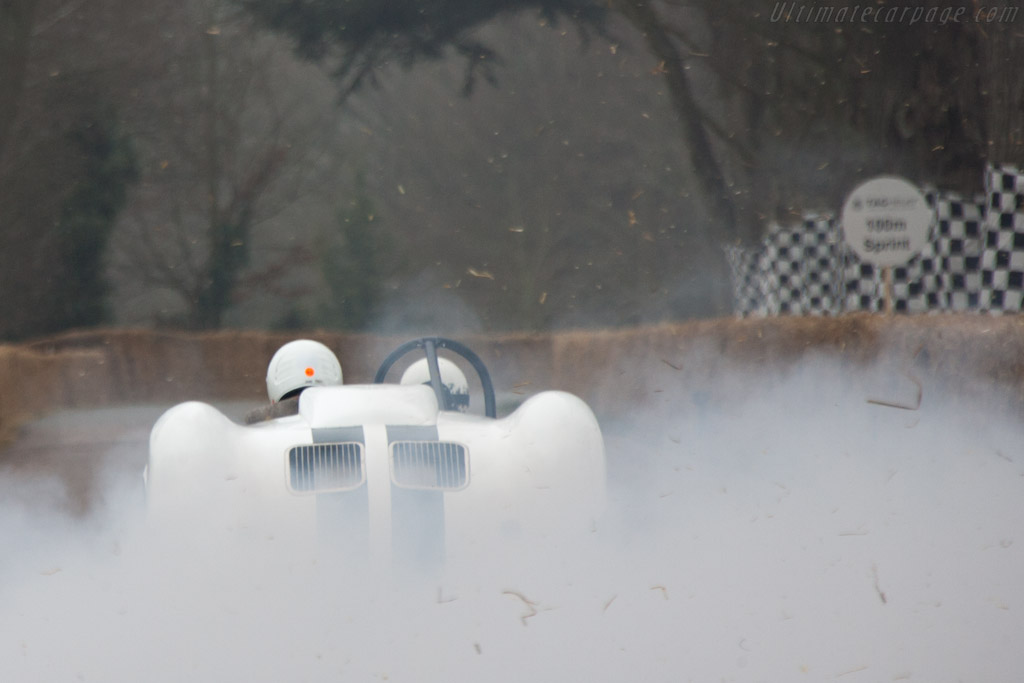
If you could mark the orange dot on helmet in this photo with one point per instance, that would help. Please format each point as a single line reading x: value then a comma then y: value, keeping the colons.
x: 310, y: 372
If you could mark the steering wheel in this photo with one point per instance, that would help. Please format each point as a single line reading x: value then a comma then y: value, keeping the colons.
x: 430, y: 345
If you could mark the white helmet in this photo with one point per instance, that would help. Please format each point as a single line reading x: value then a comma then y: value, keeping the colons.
x: 453, y: 381
x: 300, y: 364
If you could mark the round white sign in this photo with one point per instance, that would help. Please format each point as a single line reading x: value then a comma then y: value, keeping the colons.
x: 886, y: 221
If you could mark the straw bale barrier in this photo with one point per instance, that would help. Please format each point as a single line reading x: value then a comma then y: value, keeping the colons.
x: 691, y: 364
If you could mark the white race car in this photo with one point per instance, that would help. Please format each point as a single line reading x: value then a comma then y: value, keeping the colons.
x: 385, y: 471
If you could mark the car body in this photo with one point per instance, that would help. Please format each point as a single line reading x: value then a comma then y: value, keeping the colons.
x: 382, y: 470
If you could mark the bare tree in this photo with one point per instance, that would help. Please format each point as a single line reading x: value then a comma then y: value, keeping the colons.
x: 231, y: 144
x: 559, y: 197
x: 807, y: 108
x: 65, y: 162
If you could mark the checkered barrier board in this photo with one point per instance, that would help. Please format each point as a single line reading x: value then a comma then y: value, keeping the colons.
x: 973, y: 261
x: 794, y: 272
x: 958, y: 240
x: 748, y: 293
x: 1002, y: 262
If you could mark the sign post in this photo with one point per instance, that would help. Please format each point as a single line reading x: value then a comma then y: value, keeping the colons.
x: 886, y: 222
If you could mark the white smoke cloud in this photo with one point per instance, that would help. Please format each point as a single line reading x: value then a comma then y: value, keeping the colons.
x: 802, y: 534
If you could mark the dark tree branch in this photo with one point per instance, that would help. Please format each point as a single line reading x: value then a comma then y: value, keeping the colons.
x: 643, y: 16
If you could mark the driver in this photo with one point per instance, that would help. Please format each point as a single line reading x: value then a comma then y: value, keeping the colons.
x: 295, y: 367
x: 453, y: 382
